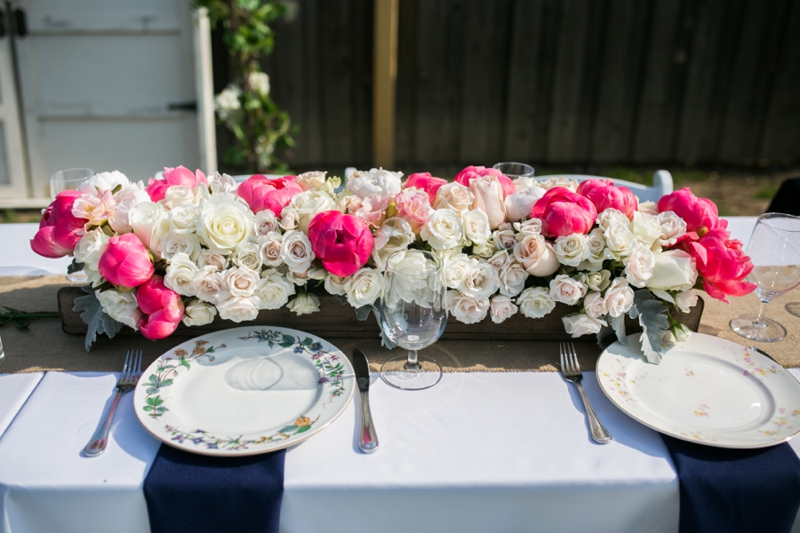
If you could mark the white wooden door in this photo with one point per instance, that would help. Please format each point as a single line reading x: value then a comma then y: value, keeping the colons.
x: 107, y: 84
x: 13, y: 182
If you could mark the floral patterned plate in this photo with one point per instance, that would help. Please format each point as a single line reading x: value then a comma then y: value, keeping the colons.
x: 244, y: 391
x: 706, y: 390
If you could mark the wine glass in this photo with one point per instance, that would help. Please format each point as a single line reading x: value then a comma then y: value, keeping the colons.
x: 68, y: 180
x: 774, y: 248
x: 413, y: 316
x: 515, y: 170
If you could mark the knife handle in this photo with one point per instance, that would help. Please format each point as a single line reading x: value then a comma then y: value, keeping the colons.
x: 368, y: 439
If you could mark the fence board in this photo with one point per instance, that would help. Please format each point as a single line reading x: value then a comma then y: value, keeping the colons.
x: 405, y: 119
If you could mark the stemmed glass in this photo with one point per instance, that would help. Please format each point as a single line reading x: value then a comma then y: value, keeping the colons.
x: 69, y: 179
x: 514, y: 170
x: 413, y: 316
x: 774, y: 248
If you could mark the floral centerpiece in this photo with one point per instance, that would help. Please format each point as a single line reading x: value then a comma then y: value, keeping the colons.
x: 189, y: 247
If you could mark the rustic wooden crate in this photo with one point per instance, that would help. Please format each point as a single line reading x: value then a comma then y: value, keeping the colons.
x: 335, y: 320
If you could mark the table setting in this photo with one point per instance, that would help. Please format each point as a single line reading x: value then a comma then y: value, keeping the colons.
x: 594, y: 336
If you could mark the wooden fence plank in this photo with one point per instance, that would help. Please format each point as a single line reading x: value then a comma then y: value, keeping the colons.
x: 360, y: 102
x: 406, y: 94
x: 314, y: 152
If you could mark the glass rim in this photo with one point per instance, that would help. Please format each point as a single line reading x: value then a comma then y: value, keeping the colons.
x: 773, y: 215
x: 65, y: 170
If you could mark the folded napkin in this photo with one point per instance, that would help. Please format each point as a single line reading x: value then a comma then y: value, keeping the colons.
x: 728, y: 491
x: 191, y: 493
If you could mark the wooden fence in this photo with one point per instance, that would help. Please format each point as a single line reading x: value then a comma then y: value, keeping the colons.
x: 548, y: 81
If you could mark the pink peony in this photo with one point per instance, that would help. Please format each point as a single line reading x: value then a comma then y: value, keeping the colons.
x: 261, y: 192
x: 564, y: 212
x: 700, y: 214
x: 722, y: 263
x: 157, y: 189
x: 604, y: 194
x: 426, y: 182
x: 470, y: 173
x: 371, y: 209
x: 414, y: 206
x: 163, y: 309
x: 59, y: 230
x: 126, y: 262
x: 343, y: 242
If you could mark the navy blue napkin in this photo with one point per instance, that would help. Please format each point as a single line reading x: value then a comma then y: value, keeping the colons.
x: 729, y: 491
x: 190, y: 493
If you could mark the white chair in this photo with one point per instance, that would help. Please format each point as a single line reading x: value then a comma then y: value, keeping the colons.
x: 662, y: 184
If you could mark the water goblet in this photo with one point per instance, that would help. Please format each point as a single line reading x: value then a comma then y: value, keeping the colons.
x: 774, y: 249
x: 413, y: 316
x: 515, y: 170
x: 68, y: 180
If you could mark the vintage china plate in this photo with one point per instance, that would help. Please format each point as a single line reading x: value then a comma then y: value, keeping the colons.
x: 244, y: 391
x: 706, y: 390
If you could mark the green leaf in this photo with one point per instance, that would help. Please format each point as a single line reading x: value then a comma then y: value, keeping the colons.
x: 303, y: 429
x: 148, y: 407
x: 97, y: 321
x: 288, y: 429
x: 155, y: 401
x: 185, y: 363
x: 166, y: 383
x: 652, y: 315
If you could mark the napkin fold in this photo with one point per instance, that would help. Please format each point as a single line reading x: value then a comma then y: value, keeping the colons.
x: 725, y: 490
x: 190, y: 493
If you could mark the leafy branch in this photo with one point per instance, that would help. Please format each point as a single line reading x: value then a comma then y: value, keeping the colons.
x: 21, y: 319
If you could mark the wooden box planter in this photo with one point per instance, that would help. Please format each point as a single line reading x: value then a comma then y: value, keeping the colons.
x: 335, y: 320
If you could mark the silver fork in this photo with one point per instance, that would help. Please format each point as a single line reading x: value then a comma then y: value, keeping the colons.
x: 131, y: 372
x: 571, y: 371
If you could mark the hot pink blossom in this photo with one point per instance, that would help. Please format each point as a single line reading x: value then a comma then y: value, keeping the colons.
x: 157, y: 189
x: 604, y: 194
x: 426, y: 182
x: 59, y: 230
x: 414, y: 206
x: 564, y: 212
x: 162, y: 308
x: 125, y: 261
x: 261, y: 192
x: 700, y: 214
x: 470, y: 173
x: 343, y: 242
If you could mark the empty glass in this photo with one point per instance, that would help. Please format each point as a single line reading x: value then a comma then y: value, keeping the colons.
x: 774, y: 248
x: 413, y: 316
x: 68, y: 180
x: 515, y: 170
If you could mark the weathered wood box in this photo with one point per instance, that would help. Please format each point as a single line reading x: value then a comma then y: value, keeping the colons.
x: 335, y: 320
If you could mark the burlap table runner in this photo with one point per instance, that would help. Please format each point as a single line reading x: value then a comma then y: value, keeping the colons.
x: 44, y: 347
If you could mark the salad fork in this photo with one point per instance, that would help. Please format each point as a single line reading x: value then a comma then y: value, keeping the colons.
x: 571, y: 371
x: 131, y: 372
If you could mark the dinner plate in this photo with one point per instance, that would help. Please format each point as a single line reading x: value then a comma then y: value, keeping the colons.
x: 244, y: 391
x: 706, y: 390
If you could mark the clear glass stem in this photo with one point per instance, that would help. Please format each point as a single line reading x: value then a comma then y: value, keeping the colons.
x: 413, y: 363
x: 759, y: 322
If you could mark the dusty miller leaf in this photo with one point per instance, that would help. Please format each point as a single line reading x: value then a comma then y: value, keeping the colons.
x: 97, y: 321
x: 652, y: 315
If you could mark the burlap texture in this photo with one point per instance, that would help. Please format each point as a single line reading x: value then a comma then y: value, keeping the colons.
x: 44, y: 347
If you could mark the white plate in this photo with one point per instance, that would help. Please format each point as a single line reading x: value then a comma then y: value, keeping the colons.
x: 706, y: 390
x: 244, y: 391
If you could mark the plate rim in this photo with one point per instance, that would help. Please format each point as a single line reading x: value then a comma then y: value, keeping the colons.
x: 350, y: 372
x: 712, y: 338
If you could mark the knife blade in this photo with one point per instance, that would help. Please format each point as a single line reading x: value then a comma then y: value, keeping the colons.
x: 368, y: 439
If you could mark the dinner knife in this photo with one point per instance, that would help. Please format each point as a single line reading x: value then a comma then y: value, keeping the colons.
x: 367, y: 438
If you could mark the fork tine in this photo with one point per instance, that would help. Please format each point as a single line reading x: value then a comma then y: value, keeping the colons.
x: 138, y: 370
x: 561, y: 356
x: 574, y: 358
x: 128, y: 361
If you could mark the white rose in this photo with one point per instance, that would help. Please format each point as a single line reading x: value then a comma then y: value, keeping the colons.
x: 311, y: 180
x: 597, y: 281
x: 180, y: 275
x: 455, y: 271
x: 512, y: 279
x: 208, y: 284
x: 639, y: 265
x: 335, y: 284
x: 611, y: 217
x: 107, y: 181
x: 304, y: 304
x: 183, y: 219
x: 126, y: 199
x: 265, y: 222
x: 149, y: 222
x: 536, y: 255
x: 394, y: 235
x: 273, y: 290
x: 454, y: 196
x: 572, y: 249
x: 178, y: 195
x: 364, y: 287
x: 685, y: 300
x: 672, y: 228
x: 223, y: 224
x: 308, y: 204
x: 502, y: 308
x: 483, y: 251
x: 290, y: 219
x: 504, y: 239
x: 673, y: 270
x: 93, y: 276
x: 559, y: 181
x: 520, y: 204
x: 619, y: 239
x: 238, y: 309
x: 443, y: 230
x: 466, y: 309
x: 176, y: 243
x: 259, y: 82
x: 121, y: 306
x: 595, y: 305
x: 270, y: 249
x: 499, y: 259
x: 212, y: 259
x: 596, y: 251
x: 199, y: 313
x: 535, y: 302
x: 532, y: 225
x: 248, y: 255
x: 651, y: 208
x: 646, y: 228
x: 577, y: 325
x: 240, y: 282
x: 619, y: 297
x: 296, y: 251
x: 525, y: 182
x: 476, y: 226
x: 376, y: 181
x: 91, y: 247
x: 566, y: 290
x: 481, y: 280
x: 221, y: 183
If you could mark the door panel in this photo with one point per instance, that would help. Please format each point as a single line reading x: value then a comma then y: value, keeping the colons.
x: 12, y: 159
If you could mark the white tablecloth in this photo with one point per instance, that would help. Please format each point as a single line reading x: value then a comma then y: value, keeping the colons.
x: 478, y: 452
